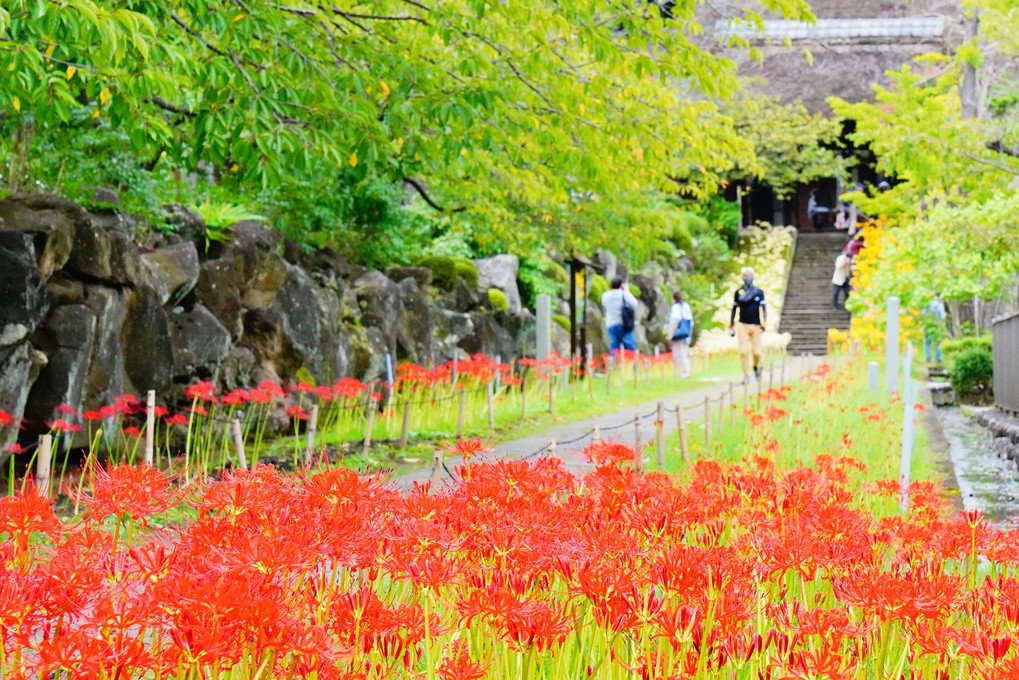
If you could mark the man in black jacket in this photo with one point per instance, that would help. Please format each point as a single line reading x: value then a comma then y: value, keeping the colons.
x: 749, y: 300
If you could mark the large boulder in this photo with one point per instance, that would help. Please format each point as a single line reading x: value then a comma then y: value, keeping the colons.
x: 106, y: 366
x: 173, y: 271
x: 379, y: 300
x: 267, y: 275
x: 414, y: 337
x: 500, y: 272
x: 308, y: 316
x: 368, y: 349
x: 105, y: 253
x: 19, y: 367
x: 218, y: 290
x: 451, y: 329
x: 66, y: 337
x: 145, y: 339
x: 423, y: 275
x: 50, y: 220
x: 200, y: 343
x: 490, y: 338
x: 22, y: 289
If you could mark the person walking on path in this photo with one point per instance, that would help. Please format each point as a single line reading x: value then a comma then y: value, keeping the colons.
x: 680, y: 332
x: 840, y: 279
x: 749, y: 301
x: 933, y: 327
x: 620, y: 308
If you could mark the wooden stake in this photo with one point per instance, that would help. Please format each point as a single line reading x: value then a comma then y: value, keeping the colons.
x: 490, y: 388
x: 707, y: 422
x: 150, y: 427
x: 551, y: 385
x: 647, y: 373
x: 746, y: 395
x: 523, y: 397
x: 721, y: 413
x: 242, y: 461
x: 660, y: 435
x: 551, y: 447
x: 681, y: 425
x: 771, y: 375
x: 436, y: 467
x: 309, y: 447
x: 43, y: 463
x: 636, y: 361
x: 460, y: 414
x: 369, y: 426
x: 636, y: 444
x: 405, y: 427
x: 596, y: 434
x: 732, y: 405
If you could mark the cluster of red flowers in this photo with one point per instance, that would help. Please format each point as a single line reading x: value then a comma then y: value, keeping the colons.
x: 741, y: 570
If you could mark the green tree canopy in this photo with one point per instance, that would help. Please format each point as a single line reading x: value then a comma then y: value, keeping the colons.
x: 482, y: 106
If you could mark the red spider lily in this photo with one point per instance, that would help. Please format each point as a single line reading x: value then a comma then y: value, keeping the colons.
x: 303, y: 387
x: 295, y: 412
x: 127, y: 403
x: 468, y: 448
x: 537, y: 625
x: 176, y: 419
x: 237, y: 397
x: 14, y: 448
x: 271, y: 389
x: 132, y: 431
x: 66, y: 409
x: 909, y: 595
x: 603, y: 452
x: 6, y: 419
x: 26, y: 513
x: 458, y: 665
x: 159, y: 411
x: 126, y: 490
x: 201, y: 391
x: 60, y: 425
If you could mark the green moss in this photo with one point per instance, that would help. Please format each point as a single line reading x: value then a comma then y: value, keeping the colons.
x: 599, y: 286
x: 466, y: 270
x: 681, y: 237
x: 444, y: 270
x: 304, y: 375
x: 556, y: 272
x: 497, y: 299
x: 562, y: 321
x: 635, y: 291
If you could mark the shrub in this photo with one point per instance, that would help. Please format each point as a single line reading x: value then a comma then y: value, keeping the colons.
x: 681, y: 237
x: 466, y: 270
x: 563, y: 321
x: 533, y: 281
x: 556, y: 272
x: 973, y: 372
x: 599, y: 286
x: 497, y: 299
x: 444, y: 271
x: 952, y: 349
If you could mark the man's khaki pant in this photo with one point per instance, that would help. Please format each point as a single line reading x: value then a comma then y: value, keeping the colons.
x: 749, y: 336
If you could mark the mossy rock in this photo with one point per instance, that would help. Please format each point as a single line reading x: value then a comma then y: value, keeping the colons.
x: 599, y: 286
x: 497, y: 299
x: 556, y: 272
x: 563, y: 321
x: 444, y: 270
x: 466, y: 270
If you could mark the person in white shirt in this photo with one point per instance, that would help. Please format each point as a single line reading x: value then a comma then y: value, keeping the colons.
x: 840, y: 279
x: 680, y: 334
x: 612, y: 302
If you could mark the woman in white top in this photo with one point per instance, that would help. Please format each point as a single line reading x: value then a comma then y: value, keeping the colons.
x: 680, y: 332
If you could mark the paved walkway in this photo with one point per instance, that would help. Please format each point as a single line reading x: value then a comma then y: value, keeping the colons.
x: 571, y: 438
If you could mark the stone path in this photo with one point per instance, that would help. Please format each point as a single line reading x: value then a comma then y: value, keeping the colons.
x: 571, y: 438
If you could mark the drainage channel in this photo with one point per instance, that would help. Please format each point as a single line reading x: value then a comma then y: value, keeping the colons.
x: 987, y: 481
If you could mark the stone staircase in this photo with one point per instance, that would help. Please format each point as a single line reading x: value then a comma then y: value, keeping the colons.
x: 807, y: 314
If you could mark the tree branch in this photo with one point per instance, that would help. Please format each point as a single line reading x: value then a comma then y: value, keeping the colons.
x: 1001, y: 148
x: 424, y: 194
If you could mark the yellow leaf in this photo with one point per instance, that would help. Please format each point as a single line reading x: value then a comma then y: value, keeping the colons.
x: 353, y: 160
x: 71, y: 71
x: 385, y: 89
x: 638, y: 153
x: 234, y: 168
x: 582, y: 109
x: 463, y: 152
x: 238, y: 18
x: 95, y: 113
x: 417, y: 156
x: 51, y: 49
x: 104, y: 96
x: 399, y: 143
x: 17, y: 104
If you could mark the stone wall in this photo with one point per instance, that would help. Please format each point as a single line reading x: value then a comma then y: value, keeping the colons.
x: 91, y: 307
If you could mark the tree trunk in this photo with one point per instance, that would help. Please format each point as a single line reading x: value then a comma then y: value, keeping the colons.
x: 969, y: 93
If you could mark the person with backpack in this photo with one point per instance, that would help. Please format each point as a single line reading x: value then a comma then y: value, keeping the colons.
x: 680, y: 333
x: 620, y: 307
x: 749, y: 301
x: 840, y: 280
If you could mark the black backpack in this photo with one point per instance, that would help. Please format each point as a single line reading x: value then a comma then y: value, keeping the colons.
x: 626, y: 313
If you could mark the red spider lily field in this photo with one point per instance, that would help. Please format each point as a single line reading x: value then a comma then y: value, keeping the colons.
x: 780, y: 553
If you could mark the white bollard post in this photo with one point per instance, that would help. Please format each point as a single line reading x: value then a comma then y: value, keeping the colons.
x: 908, y: 427
x: 892, y: 345
x: 543, y: 328
x: 874, y: 375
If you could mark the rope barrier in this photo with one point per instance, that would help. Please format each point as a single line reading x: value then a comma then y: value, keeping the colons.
x: 451, y: 475
x: 575, y: 439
